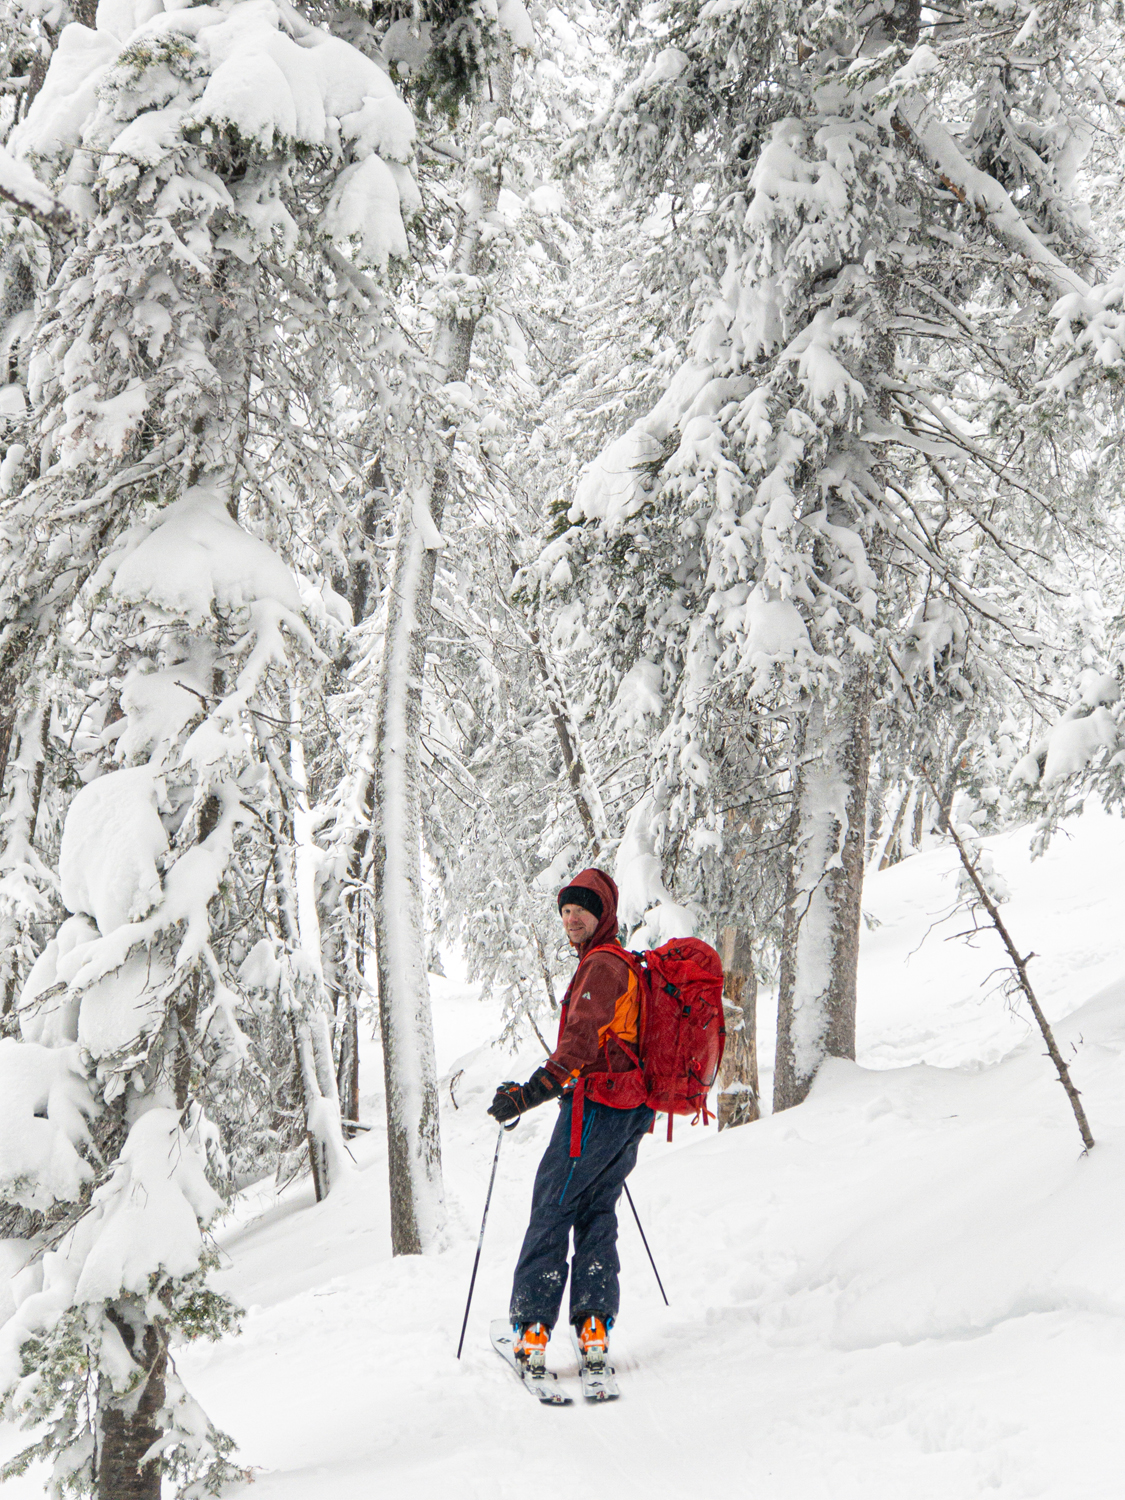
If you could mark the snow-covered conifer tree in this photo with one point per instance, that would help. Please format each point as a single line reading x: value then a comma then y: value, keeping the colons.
x: 239, y: 176
x: 840, y: 506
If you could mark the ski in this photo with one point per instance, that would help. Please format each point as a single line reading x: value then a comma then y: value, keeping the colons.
x: 598, y: 1384
x: 544, y: 1387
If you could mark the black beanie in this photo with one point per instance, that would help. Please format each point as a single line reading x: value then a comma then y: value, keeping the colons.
x: 578, y: 895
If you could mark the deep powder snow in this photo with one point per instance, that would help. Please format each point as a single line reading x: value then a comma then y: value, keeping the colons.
x: 908, y: 1286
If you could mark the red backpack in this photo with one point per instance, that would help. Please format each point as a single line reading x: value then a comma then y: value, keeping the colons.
x: 681, y: 1034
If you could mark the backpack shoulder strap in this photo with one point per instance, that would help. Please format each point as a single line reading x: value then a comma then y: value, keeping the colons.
x: 633, y: 963
x: 633, y: 960
x: 578, y: 1093
x: 615, y: 948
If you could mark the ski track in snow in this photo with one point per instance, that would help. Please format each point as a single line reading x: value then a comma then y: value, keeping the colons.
x: 908, y: 1287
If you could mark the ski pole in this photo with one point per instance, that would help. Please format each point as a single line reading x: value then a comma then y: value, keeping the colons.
x: 480, y: 1241
x: 644, y: 1241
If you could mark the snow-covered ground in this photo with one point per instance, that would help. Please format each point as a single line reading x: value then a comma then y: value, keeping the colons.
x: 911, y: 1286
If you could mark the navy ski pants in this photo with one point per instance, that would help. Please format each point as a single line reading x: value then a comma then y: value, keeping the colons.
x: 577, y: 1193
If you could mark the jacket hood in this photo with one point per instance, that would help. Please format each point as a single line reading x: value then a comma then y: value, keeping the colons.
x: 605, y: 890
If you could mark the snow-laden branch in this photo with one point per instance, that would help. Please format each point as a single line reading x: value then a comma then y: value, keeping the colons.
x: 19, y: 185
x: 916, y: 123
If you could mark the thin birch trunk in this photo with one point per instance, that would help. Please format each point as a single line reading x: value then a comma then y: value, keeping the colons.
x: 414, y: 1148
x: 820, y: 936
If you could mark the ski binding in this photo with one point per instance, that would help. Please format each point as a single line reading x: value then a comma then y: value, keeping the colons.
x: 599, y: 1382
x: 545, y: 1386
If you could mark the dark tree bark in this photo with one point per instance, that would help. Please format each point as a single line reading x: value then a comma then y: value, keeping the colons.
x: 738, y: 1077
x: 128, y: 1424
x: 347, y: 1070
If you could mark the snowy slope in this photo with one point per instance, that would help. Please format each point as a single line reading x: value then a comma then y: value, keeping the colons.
x: 910, y: 1286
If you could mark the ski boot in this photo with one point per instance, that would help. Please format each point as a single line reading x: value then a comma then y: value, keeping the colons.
x: 531, y: 1347
x: 593, y: 1341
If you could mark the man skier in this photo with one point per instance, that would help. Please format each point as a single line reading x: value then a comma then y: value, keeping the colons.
x: 594, y: 1074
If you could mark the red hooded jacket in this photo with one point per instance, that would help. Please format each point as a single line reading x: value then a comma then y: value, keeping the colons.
x: 601, y: 1010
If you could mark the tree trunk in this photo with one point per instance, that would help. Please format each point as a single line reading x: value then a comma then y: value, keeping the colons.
x: 21, y: 816
x: 820, y: 936
x: 890, y: 851
x: 9, y: 702
x: 919, y: 820
x: 303, y: 1005
x: 586, y: 799
x: 738, y: 1076
x: 128, y: 1423
x: 221, y: 427
x: 347, y: 1069
x: 413, y: 1144
x: 304, y: 1063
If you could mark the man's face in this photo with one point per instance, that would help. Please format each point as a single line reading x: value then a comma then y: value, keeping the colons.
x: 578, y: 923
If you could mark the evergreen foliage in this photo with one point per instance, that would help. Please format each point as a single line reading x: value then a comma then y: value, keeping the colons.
x: 685, y: 465
x: 199, y: 356
x: 859, y: 465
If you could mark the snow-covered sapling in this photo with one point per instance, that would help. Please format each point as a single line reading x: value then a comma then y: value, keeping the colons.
x: 979, y: 883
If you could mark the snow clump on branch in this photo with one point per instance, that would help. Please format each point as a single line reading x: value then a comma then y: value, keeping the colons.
x: 246, y: 71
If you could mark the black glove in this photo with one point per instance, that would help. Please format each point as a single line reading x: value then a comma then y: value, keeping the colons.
x: 512, y: 1099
